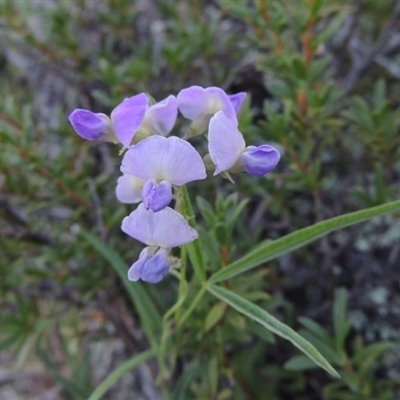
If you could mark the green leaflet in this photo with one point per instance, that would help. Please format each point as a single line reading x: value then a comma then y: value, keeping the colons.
x: 267, y: 320
x: 270, y: 250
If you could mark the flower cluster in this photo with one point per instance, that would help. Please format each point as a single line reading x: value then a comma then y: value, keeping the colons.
x: 154, y: 164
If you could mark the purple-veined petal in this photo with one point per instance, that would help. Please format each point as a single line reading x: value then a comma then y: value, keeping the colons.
x: 171, y: 159
x: 156, y: 267
x: 90, y: 126
x: 156, y: 196
x: 225, y: 142
x: 161, y: 117
x: 237, y: 100
x: 136, y: 268
x: 151, y: 267
x: 129, y: 189
x: 196, y: 101
x: 128, y: 116
x: 260, y: 160
x: 166, y: 228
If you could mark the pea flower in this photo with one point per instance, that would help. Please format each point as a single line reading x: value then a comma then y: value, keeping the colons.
x: 129, y: 189
x: 199, y: 105
x: 131, y: 118
x: 228, y: 150
x: 160, y: 231
x: 162, y: 162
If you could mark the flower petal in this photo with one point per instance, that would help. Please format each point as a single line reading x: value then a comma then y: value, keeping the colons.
x: 88, y: 125
x: 196, y: 101
x: 166, y: 228
x: 260, y: 160
x: 156, y: 196
x: 237, y: 100
x: 161, y: 117
x: 171, y: 159
x: 156, y: 267
x: 128, y: 116
x: 225, y: 142
x: 135, y: 270
x: 129, y: 189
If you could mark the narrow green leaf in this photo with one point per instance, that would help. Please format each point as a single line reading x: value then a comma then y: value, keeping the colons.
x: 237, y: 210
x: 192, y: 372
x: 299, y: 363
x: 340, y: 324
x: 267, y: 320
x: 119, y: 372
x: 279, y: 89
x: 329, y: 352
x: 299, y: 68
x: 148, y: 313
x: 214, y: 315
x: 367, y: 358
x: 196, y: 258
x: 207, y: 211
x: 373, y: 350
x: 269, y: 250
x: 262, y: 333
x: 317, y: 329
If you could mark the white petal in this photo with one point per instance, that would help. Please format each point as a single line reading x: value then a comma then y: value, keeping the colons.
x: 225, y: 142
x: 129, y: 189
x: 171, y: 159
x: 166, y: 228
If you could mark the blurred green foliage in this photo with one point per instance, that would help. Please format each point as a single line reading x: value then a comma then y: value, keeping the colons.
x: 336, y: 120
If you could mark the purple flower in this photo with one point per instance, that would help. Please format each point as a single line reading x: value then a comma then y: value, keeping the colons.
x: 228, y: 149
x: 156, y: 196
x: 129, y: 189
x: 133, y: 117
x: 160, y: 118
x: 199, y: 105
x: 160, y: 231
x: 162, y: 162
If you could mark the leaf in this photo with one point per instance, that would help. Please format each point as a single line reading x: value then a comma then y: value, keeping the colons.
x: 299, y: 363
x: 379, y: 94
x: 279, y: 89
x: 119, y: 372
x: 299, y: 68
x: 148, y: 313
x: 262, y: 333
x: 214, y: 315
x: 269, y: 322
x: 372, y: 351
x: 225, y: 394
x: 327, y: 350
x: 316, y: 328
x: 269, y: 250
x: 341, y: 325
x: 192, y: 372
x: 361, y: 115
x: 207, y: 211
x: 367, y: 358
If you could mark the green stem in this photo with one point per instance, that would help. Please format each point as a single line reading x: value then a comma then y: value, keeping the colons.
x: 192, y: 306
x: 193, y: 248
x: 168, y: 326
x: 182, y: 282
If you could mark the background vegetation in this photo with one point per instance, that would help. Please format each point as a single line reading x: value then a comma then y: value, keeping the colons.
x: 323, y: 84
